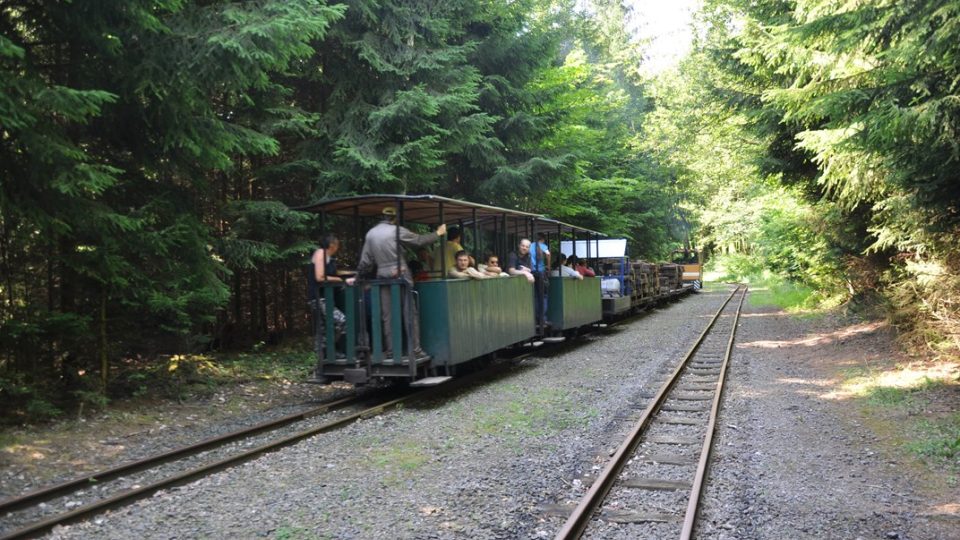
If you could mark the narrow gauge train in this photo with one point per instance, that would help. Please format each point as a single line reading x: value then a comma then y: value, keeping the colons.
x: 462, y: 319
x: 628, y: 285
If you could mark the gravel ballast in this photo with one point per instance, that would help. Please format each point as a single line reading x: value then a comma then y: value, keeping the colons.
x: 504, y: 459
x: 793, y: 458
x: 490, y: 462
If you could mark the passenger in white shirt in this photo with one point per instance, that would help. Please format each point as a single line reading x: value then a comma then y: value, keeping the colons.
x: 463, y: 270
x: 562, y: 270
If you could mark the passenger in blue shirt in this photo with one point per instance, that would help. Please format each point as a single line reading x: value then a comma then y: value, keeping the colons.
x: 540, y: 254
x: 540, y: 263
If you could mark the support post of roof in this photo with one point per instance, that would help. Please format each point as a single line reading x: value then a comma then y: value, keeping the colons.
x: 505, y: 241
x: 397, y: 230
x: 443, y: 248
x: 496, y: 235
x: 559, y: 239
x: 356, y: 232
x: 476, y: 236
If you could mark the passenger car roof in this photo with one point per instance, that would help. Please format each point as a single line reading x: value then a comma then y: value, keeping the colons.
x: 427, y: 209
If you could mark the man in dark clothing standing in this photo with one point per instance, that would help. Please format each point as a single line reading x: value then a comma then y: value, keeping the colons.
x: 540, y: 257
x: 382, y: 251
x: 521, y: 263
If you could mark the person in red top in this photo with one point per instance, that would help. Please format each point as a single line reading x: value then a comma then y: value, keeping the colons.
x: 579, y: 266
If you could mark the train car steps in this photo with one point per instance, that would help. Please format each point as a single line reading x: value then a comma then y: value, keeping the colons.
x: 429, y: 381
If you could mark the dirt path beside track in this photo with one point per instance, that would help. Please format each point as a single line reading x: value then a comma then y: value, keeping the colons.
x: 814, y: 435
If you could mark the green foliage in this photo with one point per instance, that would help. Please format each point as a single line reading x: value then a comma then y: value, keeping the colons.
x: 924, y: 307
x: 115, y: 118
x: 153, y: 151
x: 857, y: 103
x: 759, y: 226
x: 784, y: 295
x: 606, y: 182
x: 20, y: 401
x: 736, y: 267
x: 92, y: 399
x: 39, y: 408
x: 939, y: 439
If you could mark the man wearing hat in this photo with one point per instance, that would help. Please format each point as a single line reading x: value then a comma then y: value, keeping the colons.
x: 382, y: 251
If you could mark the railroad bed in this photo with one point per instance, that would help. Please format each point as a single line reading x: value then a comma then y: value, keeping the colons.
x: 496, y: 460
x: 509, y: 458
x: 654, y: 480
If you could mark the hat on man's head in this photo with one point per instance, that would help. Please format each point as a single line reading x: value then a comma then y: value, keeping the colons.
x: 389, y: 211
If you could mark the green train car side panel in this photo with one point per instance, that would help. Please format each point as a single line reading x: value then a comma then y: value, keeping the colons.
x: 463, y: 319
x: 573, y: 302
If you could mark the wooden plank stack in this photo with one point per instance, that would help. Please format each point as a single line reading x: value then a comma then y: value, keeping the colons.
x: 645, y: 279
x: 671, y: 277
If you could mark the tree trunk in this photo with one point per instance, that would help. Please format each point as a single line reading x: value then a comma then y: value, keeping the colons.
x: 288, y: 301
x: 261, y: 306
x: 102, y: 342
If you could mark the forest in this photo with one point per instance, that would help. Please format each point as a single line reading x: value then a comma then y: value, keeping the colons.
x: 153, y: 154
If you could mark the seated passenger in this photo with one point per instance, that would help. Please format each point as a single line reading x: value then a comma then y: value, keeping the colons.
x: 564, y: 271
x: 492, y: 268
x: 426, y: 260
x: 519, y: 262
x: 463, y: 270
x: 450, y: 250
x: 581, y: 267
x: 416, y: 268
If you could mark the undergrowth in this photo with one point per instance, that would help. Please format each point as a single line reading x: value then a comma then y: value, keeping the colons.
x: 910, y: 396
x: 177, y: 377
x: 769, y: 288
x: 940, y: 439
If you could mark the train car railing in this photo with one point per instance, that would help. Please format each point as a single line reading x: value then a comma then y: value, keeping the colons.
x: 329, y: 294
x: 364, y: 344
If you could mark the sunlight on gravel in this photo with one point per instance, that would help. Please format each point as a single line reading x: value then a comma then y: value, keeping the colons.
x: 818, y: 339
x: 904, y: 378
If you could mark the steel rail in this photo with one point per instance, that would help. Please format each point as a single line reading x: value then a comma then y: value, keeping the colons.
x: 181, y: 478
x: 144, y: 491
x: 49, y: 492
x: 141, y: 492
x: 577, y: 522
x: 690, y: 519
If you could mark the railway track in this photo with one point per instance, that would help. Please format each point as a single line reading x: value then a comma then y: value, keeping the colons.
x: 29, y: 515
x: 39, y: 511
x: 36, y: 512
x: 651, y: 486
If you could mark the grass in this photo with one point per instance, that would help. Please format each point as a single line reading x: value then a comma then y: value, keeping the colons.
x: 296, y: 533
x: 536, y: 414
x: 784, y: 295
x: 905, y: 397
x: 199, y: 375
x: 406, y: 457
x: 770, y: 291
x: 397, y: 460
x: 9, y: 440
x: 939, y: 438
x: 769, y: 288
x: 178, y: 377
